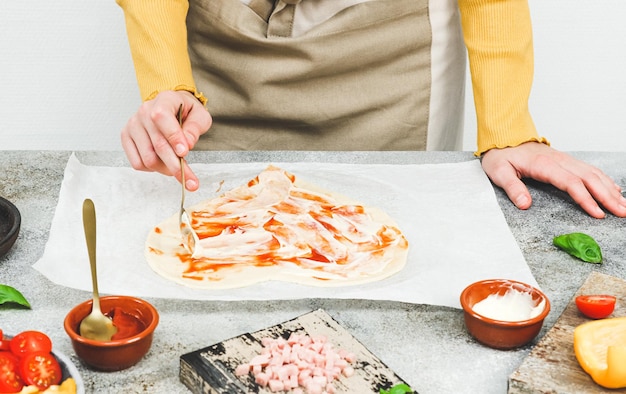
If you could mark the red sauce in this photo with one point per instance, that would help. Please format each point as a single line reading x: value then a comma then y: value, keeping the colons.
x: 216, y: 221
x: 315, y: 255
x: 198, y: 278
x: 127, y: 324
x: 155, y: 251
x: 349, y: 210
x: 206, y: 229
x: 287, y: 207
x: 307, y: 196
x: 254, y: 181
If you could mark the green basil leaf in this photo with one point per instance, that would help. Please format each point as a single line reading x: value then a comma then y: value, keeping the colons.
x: 10, y: 294
x: 400, y: 389
x: 579, y: 245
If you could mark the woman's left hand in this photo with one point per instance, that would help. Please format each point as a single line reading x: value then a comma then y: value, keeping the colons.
x: 587, y: 185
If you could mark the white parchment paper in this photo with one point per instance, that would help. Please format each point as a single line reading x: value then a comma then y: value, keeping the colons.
x: 448, y: 212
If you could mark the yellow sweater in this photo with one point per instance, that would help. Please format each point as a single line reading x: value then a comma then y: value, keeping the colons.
x: 497, y: 33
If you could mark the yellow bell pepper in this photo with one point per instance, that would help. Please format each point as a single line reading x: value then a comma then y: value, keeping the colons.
x: 600, y: 348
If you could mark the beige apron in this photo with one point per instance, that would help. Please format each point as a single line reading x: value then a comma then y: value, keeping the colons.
x: 358, y: 81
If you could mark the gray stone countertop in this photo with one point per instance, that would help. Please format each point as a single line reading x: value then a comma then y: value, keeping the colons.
x: 426, y: 345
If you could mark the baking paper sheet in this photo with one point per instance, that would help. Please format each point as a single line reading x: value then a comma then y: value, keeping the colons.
x: 448, y: 212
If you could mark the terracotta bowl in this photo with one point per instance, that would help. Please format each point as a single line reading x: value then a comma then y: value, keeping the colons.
x: 501, y: 334
x: 10, y: 221
x: 118, y: 354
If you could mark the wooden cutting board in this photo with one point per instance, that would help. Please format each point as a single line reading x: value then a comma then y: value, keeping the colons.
x: 211, y: 370
x: 551, y: 367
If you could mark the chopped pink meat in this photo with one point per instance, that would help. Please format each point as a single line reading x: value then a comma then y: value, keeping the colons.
x: 261, y: 359
x: 276, y: 385
x: 262, y: 379
x: 242, y: 369
x: 301, y: 363
x: 313, y: 388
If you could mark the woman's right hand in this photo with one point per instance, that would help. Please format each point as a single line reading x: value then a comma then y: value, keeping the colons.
x: 154, y: 141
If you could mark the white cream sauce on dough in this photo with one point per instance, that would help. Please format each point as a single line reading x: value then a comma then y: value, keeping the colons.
x: 277, y: 227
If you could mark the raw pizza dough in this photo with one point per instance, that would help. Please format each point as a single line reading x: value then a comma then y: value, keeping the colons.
x: 277, y: 227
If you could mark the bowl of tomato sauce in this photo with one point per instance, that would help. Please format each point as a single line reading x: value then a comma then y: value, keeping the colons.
x: 136, y: 321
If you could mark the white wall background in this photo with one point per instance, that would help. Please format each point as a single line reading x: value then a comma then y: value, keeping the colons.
x: 67, y: 81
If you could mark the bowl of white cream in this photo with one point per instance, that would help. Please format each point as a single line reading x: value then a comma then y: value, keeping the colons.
x: 504, y: 313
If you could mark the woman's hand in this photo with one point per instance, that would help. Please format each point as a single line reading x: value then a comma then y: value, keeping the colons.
x: 154, y: 141
x: 587, y: 185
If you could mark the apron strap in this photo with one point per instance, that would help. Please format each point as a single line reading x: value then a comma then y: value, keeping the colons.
x: 278, y: 14
x: 262, y: 8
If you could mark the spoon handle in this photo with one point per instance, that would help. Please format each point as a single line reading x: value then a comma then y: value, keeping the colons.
x: 89, y: 224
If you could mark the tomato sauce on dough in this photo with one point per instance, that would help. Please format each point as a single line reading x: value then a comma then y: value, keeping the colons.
x: 278, y: 223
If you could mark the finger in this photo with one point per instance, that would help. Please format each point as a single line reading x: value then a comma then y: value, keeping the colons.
x: 607, y: 193
x: 587, y: 185
x: 601, y: 186
x: 602, y: 189
x: 191, y: 180
x: 140, y: 137
x: 196, y: 122
x: 166, y: 137
x: 549, y: 171
x: 137, y: 145
x: 130, y: 148
x: 609, y: 183
x: 581, y: 195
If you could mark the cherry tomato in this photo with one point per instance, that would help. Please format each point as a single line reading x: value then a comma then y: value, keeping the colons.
x: 40, y: 369
x: 5, y: 345
x: 596, y: 306
x: 10, y: 380
x: 30, y: 341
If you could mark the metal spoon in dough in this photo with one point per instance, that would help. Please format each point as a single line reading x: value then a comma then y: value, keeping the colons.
x: 190, y: 238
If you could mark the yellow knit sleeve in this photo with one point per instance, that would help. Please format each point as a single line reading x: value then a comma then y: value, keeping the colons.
x: 498, y: 36
x: 157, y: 35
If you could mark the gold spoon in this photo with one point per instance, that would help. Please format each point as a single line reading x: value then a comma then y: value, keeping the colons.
x: 190, y: 238
x: 96, y: 325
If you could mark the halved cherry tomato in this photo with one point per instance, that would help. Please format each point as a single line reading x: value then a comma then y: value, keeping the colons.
x: 10, y: 380
x: 4, y: 343
x: 596, y: 306
x: 30, y: 341
x: 40, y: 369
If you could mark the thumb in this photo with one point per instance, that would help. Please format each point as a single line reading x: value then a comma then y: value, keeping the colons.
x: 514, y: 188
x: 503, y: 174
x: 196, y: 122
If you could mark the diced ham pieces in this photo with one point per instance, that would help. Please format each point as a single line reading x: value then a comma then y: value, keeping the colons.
x: 242, y: 369
x: 302, y: 364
